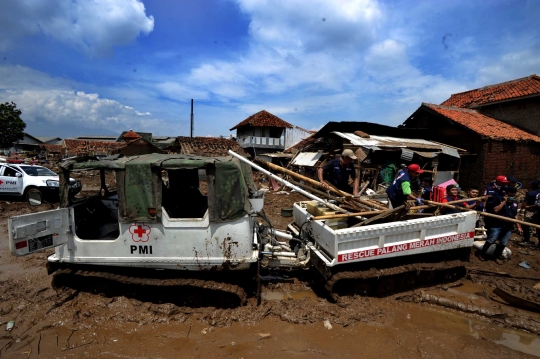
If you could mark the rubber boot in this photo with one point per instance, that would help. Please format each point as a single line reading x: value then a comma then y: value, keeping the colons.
x: 483, y: 251
x: 498, y: 252
x: 526, y: 236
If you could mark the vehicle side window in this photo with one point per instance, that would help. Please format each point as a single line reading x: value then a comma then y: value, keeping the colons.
x: 184, y: 193
x: 10, y: 172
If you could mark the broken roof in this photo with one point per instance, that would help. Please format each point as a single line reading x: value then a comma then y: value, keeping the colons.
x: 51, y: 148
x: 209, y: 146
x: 264, y: 119
x: 483, y: 125
x: 523, y: 87
x: 84, y: 146
x: 378, y: 142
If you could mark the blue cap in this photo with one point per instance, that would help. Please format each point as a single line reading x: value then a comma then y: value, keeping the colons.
x: 512, y: 179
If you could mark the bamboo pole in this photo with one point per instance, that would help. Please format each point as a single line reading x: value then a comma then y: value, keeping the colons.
x: 316, y: 183
x: 332, y: 216
x: 286, y: 183
x: 485, y: 214
x: 451, y: 202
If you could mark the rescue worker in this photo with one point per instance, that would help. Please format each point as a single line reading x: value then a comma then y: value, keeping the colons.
x: 501, y: 230
x: 400, y: 190
x: 477, y: 205
x: 452, y: 194
x: 427, y: 188
x: 497, y: 190
x: 338, y: 171
x: 531, y: 211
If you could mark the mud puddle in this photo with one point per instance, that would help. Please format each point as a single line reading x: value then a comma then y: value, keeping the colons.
x: 438, y: 319
x: 292, y: 295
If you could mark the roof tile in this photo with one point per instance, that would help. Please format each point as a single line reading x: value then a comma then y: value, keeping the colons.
x: 522, y: 87
x: 483, y: 125
x: 81, y: 147
x: 263, y: 118
x: 209, y: 146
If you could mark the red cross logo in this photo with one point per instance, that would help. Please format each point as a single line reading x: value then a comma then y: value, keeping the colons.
x: 1, y: 182
x: 140, y: 232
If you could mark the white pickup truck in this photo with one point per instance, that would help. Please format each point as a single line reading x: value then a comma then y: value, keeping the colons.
x: 20, y: 179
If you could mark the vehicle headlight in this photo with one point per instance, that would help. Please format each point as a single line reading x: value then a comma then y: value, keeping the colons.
x: 52, y: 183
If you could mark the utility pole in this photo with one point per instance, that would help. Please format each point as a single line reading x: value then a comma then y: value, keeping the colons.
x: 191, y: 118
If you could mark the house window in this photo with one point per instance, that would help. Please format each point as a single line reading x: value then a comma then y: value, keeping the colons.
x: 184, y: 193
x: 275, y: 132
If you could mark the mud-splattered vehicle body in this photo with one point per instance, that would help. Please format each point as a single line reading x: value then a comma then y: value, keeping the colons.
x: 168, y: 211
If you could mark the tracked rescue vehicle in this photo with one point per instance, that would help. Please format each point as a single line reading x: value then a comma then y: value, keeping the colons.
x: 201, y: 221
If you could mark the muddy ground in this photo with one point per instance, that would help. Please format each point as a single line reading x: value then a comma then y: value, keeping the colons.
x: 461, y: 320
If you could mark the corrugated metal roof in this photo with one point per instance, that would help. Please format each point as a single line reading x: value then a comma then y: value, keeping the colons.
x: 307, y: 159
x: 384, y: 141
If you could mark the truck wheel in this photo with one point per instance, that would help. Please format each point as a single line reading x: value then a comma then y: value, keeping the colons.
x: 29, y: 190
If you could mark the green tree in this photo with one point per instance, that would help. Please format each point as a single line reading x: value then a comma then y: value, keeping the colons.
x: 11, y: 125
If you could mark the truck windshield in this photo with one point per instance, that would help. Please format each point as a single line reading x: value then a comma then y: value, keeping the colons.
x: 37, y: 171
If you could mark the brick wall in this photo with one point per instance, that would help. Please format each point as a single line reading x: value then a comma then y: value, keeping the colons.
x: 517, y: 159
x: 524, y: 114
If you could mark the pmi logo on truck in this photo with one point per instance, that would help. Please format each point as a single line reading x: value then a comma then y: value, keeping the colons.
x: 404, y: 247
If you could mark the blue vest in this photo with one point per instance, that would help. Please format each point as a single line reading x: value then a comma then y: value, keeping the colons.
x: 394, y: 191
x: 449, y: 210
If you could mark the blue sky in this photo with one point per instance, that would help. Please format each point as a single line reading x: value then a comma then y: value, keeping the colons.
x: 97, y: 67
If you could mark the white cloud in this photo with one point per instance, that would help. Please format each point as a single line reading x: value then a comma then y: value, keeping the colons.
x: 78, y: 109
x: 511, y: 65
x: 93, y: 26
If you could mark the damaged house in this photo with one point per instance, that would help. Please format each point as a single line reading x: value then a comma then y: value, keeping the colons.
x: 380, y: 150
x: 498, y: 125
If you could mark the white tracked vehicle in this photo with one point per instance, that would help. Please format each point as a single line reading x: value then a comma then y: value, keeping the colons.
x: 198, y: 220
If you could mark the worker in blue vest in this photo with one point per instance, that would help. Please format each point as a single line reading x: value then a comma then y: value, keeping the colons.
x: 400, y: 190
x: 500, y: 230
x: 339, y: 172
x: 497, y: 191
x: 531, y: 211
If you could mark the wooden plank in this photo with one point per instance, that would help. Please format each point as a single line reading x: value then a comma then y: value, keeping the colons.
x: 383, y: 215
x: 516, y: 301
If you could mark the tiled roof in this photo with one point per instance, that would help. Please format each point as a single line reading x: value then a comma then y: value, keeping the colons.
x: 51, y: 148
x: 209, y: 146
x: 522, y: 87
x: 263, y: 118
x: 483, y: 125
x: 80, y: 147
x: 128, y: 136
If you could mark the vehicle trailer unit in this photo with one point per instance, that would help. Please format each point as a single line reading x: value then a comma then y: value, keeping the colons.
x: 385, y: 240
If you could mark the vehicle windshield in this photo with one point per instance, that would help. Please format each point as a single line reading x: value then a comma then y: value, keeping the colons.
x: 37, y: 171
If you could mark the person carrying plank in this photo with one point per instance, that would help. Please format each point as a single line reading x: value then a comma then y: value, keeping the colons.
x: 338, y: 171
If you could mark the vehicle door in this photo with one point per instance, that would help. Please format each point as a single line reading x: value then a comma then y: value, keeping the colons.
x: 34, y: 232
x: 11, y: 180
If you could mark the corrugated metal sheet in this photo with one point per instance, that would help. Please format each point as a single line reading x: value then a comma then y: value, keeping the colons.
x: 295, y: 135
x: 406, y: 154
x: 384, y: 141
x: 450, y: 151
x: 307, y: 159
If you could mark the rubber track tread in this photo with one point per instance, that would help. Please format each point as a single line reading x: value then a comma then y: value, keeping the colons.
x: 402, y: 276
x: 162, y: 282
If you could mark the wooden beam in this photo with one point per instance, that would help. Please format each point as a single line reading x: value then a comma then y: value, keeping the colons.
x: 485, y: 214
